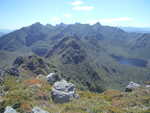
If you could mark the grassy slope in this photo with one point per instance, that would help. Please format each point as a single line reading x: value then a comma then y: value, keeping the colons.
x: 27, y: 93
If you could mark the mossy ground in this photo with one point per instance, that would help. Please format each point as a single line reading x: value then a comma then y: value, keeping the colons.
x: 25, y: 94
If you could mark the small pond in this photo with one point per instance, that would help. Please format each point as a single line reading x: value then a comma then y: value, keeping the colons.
x: 130, y: 61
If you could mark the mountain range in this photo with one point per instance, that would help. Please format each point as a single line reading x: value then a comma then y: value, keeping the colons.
x: 94, y: 57
x: 136, y: 29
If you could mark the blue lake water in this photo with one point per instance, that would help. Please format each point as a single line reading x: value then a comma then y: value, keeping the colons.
x: 130, y: 61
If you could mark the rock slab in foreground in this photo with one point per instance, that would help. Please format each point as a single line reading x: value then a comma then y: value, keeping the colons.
x: 63, y: 91
x: 38, y: 110
x: 9, y: 109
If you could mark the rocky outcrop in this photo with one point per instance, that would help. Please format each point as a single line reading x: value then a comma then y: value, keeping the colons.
x: 63, y: 91
x: 131, y: 86
x: 69, y: 49
x: 35, y: 64
x: 38, y: 110
x: 32, y: 63
x: 9, y: 109
x: 9, y: 71
x: 53, y: 77
x: 18, y: 61
x: 13, y: 71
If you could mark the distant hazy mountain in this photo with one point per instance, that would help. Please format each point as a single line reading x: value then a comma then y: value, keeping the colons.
x: 136, y: 29
x: 5, y: 31
x: 1, y: 33
x: 92, y: 56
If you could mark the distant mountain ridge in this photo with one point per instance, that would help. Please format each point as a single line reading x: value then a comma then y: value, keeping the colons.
x: 4, y: 31
x: 136, y: 29
x: 82, y: 52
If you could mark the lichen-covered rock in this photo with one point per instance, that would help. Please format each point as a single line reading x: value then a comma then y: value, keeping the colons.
x: 53, y: 77
x: 9, y: 109
x: 63, y: 91
x: 38, y: 110
x: 131, y: 86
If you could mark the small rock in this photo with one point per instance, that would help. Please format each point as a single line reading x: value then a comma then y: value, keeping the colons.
x: 38, y: 110
x: 2, y: 72
x: 76, y: 96
x: 131, y: 86
x: 9, y: 109
x: 1, y: 80
x: 63, y: 91
x: 147, y: 86
x: 53, y: 77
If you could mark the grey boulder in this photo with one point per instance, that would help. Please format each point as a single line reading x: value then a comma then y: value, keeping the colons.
x: 147, y: 86
x: 9, y: 109
x: 131, y: 86
x: 38, y: 110
x: 63, y: 91
x: 53, y: 77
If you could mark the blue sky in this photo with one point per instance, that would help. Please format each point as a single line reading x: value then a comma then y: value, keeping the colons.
x: 18, y: 13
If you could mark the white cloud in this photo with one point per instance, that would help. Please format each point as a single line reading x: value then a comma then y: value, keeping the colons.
x: 83, y: 8
x: 67, y: 15
x: 79, y: 6
x: 77, y: 3
x: 111, y: 21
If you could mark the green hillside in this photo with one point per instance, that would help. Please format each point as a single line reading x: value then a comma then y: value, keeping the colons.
x: 83, y: 53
